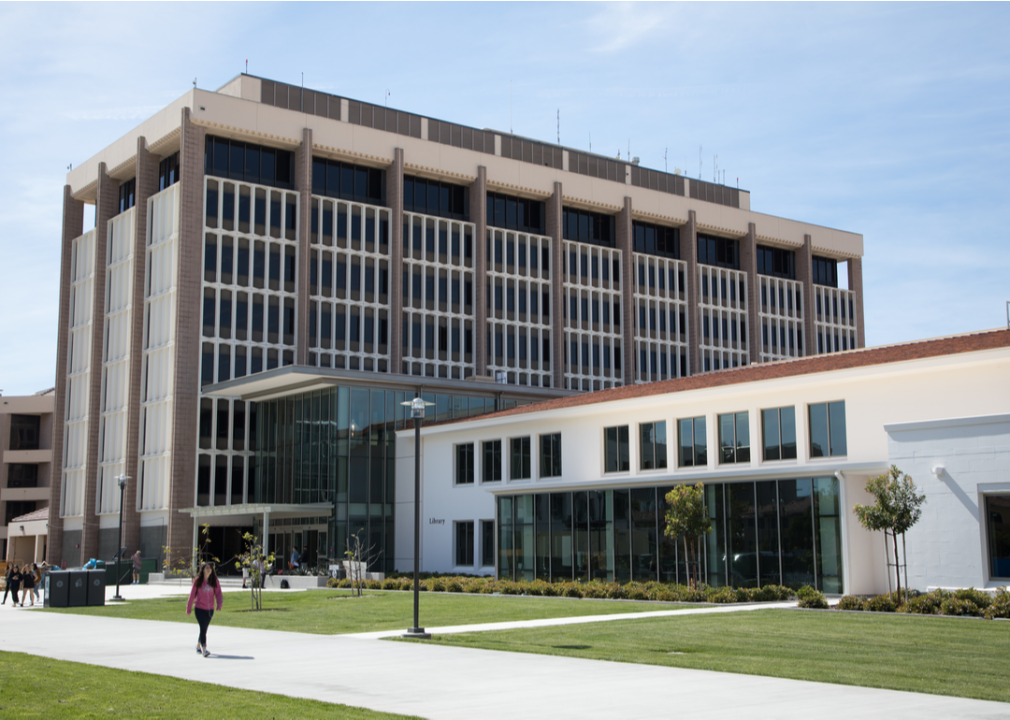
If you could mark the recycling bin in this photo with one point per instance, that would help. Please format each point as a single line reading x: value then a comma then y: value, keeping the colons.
x: 56, y: 588
x: 78, y: 588
x: 96, y: 587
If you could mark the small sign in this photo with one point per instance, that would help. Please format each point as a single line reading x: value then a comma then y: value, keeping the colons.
x: 436, y: 521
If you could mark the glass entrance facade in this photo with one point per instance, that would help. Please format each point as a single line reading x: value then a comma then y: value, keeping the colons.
x: 781, y: 532
x: 338, y: 446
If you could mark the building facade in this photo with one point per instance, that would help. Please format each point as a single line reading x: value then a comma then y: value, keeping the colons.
x: 575, y: 488
x: 26, y: 468
x: 267, y: 251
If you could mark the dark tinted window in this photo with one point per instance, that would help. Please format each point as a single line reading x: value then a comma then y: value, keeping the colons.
x: 168, y: 172
x: 515, y: 213
x: 776, y: 262
x: 825, y: 271
x: 127, y: 195
x: 248, y: 162
x: 348, y: 182
x: 433, y: 197
x: 656, y: 239
x: 589, y: 227
x: 718, y: 251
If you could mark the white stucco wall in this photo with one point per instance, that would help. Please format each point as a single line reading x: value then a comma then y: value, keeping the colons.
x: 972, y: 384
x: 948, y: 546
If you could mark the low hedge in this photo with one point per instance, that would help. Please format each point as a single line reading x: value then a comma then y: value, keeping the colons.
x: 651, y: 590
x: 966, y: 602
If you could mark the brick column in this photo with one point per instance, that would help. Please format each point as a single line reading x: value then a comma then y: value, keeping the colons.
x: 627, y: 292
x: 805, y: 275
x: 478, y: 214
x: 748, y: 263
x: 856, y: 286
x: 556, y: 232
x: 303, y: 186
x: 73, y: 226
x: 188, y: 321
x: 394, y: 198
x: 105, y: 209
x: 689, y: 253
x: 147, y: 185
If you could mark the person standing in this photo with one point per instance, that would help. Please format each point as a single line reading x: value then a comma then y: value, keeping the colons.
x: 27, y: 584
x: 14, y: 583
x: 7, y: 584
x: 205, y: 593
x: 137, y: 562
x: 293, y: 564
x: 37, y: 578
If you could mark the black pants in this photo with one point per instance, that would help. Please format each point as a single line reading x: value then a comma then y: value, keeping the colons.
x: 15, y: 589
x: 203, y: 617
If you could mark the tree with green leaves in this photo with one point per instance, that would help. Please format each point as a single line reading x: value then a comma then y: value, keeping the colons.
x: 895, y: 511
x: 686, y: 517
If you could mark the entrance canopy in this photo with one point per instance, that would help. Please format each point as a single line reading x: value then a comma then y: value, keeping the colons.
x: 244, y: 514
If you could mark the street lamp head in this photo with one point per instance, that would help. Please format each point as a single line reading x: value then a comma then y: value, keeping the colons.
x: 122, y: 480
x: 416, y: 407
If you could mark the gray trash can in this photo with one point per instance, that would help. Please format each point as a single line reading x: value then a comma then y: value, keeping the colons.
x: 57, y: 586
x: 96, y: 587
x: 78, y: 588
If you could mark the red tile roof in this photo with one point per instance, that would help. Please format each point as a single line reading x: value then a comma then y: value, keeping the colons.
x: 880, y: 355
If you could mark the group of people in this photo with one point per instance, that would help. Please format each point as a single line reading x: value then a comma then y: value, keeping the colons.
x: 24, y: 580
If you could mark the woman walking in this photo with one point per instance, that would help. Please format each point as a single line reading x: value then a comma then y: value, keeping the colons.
x: 28, y: 583
x: 137, y: 564
x: 14, y: 583
x: 205, y: 593
x: 7, y: 584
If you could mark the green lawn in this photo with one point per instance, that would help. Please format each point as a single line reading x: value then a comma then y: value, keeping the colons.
x: 944, y: 656
x: 36, y: 687
x: 332, y: 612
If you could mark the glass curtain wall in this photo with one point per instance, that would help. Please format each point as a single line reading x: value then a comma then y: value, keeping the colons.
x: 780, y: 532
x: 338, y: 446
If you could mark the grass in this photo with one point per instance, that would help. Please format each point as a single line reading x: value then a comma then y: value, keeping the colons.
x: 36, y: 687
x: 332, y: 612
x: 939, y: 655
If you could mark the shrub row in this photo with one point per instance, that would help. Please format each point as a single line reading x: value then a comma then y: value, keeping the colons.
x: 593, y: 589
x: 970, y: 601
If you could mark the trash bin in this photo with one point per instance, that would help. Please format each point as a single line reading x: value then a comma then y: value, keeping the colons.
x: 57, y: 585
x: 78, y: 595
x: 96, y: 587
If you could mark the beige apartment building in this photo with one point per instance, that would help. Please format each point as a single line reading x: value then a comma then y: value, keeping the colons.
x: 26, y: 468
x: 274, y: 270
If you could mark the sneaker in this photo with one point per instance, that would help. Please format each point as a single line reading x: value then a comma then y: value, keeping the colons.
x: 206, y: 652
x: 199, y: 650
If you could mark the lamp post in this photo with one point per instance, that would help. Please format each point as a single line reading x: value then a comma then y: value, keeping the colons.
x: 119, y: 553
x: 417, y: 413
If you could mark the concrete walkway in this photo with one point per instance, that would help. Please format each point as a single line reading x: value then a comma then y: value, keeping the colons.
x: 443, y: 682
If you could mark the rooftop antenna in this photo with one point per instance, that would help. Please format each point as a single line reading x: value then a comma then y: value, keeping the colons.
x: 590, y: 142
x: 247, y: 66
x: 194, y: 83
x: 666, y: 168
x: 715, y: 169
x: 386, y: 99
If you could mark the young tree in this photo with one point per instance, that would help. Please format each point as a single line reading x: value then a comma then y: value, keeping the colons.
x: 895, y: 511
x: 257, y: 564
x: 359, y: 558
x: 685, y: 516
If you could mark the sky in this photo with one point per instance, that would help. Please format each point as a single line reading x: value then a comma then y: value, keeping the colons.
x: 888, y: 120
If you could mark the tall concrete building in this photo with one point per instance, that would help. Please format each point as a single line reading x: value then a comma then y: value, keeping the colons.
x: 274, y: 270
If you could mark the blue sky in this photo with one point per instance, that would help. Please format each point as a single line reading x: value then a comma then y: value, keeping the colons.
x: 890, y: 120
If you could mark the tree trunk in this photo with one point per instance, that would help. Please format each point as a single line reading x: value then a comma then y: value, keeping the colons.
x: 897, y: 567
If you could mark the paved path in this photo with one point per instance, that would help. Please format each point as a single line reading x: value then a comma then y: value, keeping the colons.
x: 455, y: 683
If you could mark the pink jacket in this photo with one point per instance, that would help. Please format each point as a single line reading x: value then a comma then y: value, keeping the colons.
x: 204, y: 596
